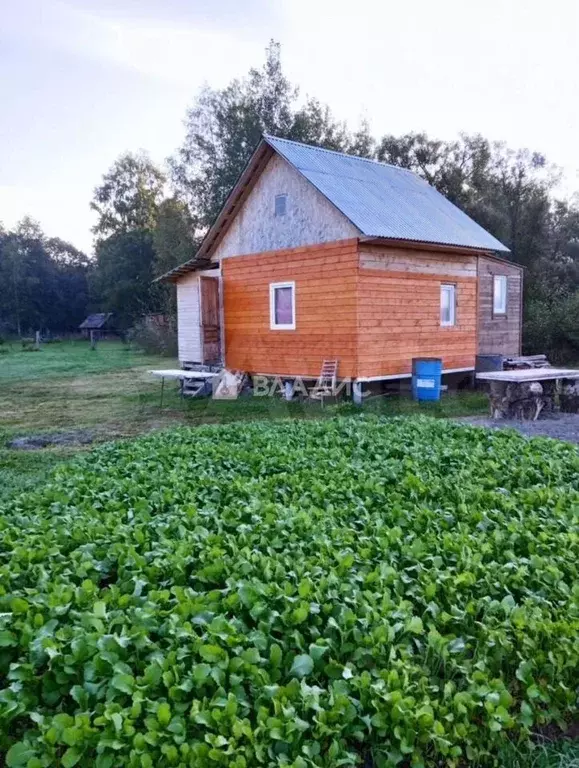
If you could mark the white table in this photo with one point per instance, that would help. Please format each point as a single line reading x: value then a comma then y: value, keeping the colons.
x: 181, y: 375
x: 526, y: 375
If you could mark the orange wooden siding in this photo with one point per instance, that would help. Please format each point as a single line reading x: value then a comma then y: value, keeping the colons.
x: 399, y: 315
x: 325, y: 277
x: 363, y: 308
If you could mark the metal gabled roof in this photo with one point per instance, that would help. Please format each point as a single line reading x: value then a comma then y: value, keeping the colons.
x: 383, y: 200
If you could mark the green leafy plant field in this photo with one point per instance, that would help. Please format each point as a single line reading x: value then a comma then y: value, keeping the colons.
x: 313, y: 593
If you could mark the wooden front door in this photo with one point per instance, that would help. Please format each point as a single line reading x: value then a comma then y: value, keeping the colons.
x: 210, y: 326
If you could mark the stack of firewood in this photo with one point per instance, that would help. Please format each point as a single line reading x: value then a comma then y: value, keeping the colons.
x: 569, y: 396
x: 526, y: 400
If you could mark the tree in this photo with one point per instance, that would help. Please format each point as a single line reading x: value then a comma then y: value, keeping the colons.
x: 174, y: 235
x: 72, y: 270
x: 43, y: 282
x: 128, y: 203
x: 124, y: 274
x: 129, y: 196
x: 505, y: 191
x: 224, y: 127
x: 175, y: 242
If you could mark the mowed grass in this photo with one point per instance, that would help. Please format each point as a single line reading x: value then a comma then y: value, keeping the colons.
x: 67, y: 386
x: 69, y: 359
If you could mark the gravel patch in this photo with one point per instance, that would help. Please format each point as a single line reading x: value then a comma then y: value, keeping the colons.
x: 561, y: 426
x: 33, y: 442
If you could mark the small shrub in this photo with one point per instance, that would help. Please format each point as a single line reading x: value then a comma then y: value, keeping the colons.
x: 155, y: 338
x: 341, y: 593
x: 553, y: 328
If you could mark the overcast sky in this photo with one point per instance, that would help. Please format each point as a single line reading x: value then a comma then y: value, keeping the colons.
x: 83, y: 80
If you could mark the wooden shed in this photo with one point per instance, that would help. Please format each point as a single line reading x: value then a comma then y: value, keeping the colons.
x: 100, y: 324
x: 318, y: 255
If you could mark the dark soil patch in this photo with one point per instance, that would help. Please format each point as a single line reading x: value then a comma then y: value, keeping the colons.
x: 552, y: 732
x: 33, y: 442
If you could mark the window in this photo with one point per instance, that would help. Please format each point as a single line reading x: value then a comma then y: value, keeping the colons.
x: 282, y: 306
x: 280, y: 205
x: 499, y: 295
x: 447, y: 304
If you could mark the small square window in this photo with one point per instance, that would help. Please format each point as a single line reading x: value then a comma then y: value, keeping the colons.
x: 448, y: 305
x: 282, y: 306
x: 280, y: 205
x: 499, y: 295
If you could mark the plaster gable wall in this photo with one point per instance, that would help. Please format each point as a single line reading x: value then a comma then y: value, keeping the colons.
x: 309, y: 218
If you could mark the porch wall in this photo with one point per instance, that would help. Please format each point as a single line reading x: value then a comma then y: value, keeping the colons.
x: 189, y: 319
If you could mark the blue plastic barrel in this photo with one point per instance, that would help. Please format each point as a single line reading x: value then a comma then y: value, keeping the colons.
x: 426, y: 375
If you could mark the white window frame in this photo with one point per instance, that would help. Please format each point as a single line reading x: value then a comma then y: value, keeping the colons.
x: 451, y: 287
x: 281, y: 326
x: 497, y: 280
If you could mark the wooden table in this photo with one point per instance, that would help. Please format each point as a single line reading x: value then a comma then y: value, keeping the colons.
x: 526, y: 393
x: 181, y: 375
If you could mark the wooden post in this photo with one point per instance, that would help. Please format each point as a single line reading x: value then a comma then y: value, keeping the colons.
x: 92, y: 340
x: 37, y: 340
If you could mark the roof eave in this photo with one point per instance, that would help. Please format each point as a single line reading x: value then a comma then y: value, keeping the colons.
x: 431, y: 245
x: 243, y: 186
x: 173, y: 275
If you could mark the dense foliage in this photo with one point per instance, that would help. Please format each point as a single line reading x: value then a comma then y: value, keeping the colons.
x: 348, y: 592
x: 124, y: 274
x: 44, y: 281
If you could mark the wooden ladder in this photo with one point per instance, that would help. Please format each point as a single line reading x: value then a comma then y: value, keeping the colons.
x: 326, y: 384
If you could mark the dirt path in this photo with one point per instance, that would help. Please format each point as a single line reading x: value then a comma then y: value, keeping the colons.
x: 563, y: 426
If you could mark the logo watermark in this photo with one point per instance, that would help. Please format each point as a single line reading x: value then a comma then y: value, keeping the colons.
x: 228, y: 384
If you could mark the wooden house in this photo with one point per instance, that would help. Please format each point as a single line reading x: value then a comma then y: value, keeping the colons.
x: 319, y: 255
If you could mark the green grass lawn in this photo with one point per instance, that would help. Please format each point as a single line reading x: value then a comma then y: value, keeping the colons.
x: 69, y: 359
x: 68, y: 386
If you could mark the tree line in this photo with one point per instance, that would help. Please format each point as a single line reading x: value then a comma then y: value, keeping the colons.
x: 150, y: 219
x: 44, y: 281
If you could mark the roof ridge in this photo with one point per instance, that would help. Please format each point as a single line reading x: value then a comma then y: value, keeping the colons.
x: 269, y: 136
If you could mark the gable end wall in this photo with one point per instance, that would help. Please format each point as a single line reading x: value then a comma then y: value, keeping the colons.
x: 310, y: 218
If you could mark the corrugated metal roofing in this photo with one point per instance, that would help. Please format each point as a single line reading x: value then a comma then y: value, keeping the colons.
x: 384, y: 200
